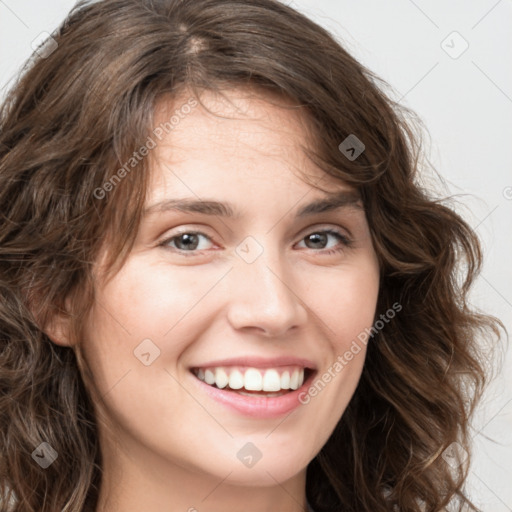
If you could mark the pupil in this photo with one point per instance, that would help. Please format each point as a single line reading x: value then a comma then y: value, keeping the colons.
x: 317, y: 237
x: 191, y: 239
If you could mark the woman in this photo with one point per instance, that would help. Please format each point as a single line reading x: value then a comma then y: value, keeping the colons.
x: 223, y: 288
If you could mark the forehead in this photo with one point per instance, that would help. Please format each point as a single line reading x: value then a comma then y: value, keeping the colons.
x: 241, y: 134
x: 236, y: 117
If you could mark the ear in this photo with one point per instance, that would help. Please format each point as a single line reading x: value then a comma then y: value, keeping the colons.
x: 53, y: 319
x: 58, y: 329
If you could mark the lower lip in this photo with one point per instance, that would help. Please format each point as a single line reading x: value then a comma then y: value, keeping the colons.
x: 257, y: 406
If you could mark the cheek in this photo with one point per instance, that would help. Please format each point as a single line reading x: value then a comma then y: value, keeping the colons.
x: 147, y: 302
x: 347, y: 302
x: 150, y: 301
x: 347, y: 310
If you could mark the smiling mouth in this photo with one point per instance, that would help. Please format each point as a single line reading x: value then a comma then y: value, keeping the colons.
x: 249, y: 381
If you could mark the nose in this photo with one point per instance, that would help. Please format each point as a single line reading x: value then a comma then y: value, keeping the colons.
x: 264, y: 297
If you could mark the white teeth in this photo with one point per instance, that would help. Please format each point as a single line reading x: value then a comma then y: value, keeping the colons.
x: 209, y: 377
x: 271, y: 381
x: 221, y: 378
x: 252, y: 379
x: 294, y: 380
x: 285, y: 380
x: 236, y: 380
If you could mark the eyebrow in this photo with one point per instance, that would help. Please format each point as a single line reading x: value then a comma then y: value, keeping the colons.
x: 331, y: 202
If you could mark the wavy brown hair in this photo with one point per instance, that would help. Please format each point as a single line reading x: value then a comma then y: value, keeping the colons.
x: 77, y: 115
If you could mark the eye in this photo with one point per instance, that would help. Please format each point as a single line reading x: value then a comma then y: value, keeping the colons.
x: 321, y: 238
x: 188, y: 241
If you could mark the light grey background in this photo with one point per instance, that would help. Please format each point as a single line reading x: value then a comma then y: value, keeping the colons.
x: 466, y: 105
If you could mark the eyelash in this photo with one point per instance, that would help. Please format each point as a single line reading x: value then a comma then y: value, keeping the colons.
x: 345, y: 241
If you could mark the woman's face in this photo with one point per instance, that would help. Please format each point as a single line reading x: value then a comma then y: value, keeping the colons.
x: 240, y: 280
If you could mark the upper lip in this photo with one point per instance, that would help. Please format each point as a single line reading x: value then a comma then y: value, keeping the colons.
x: 260, y: 362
